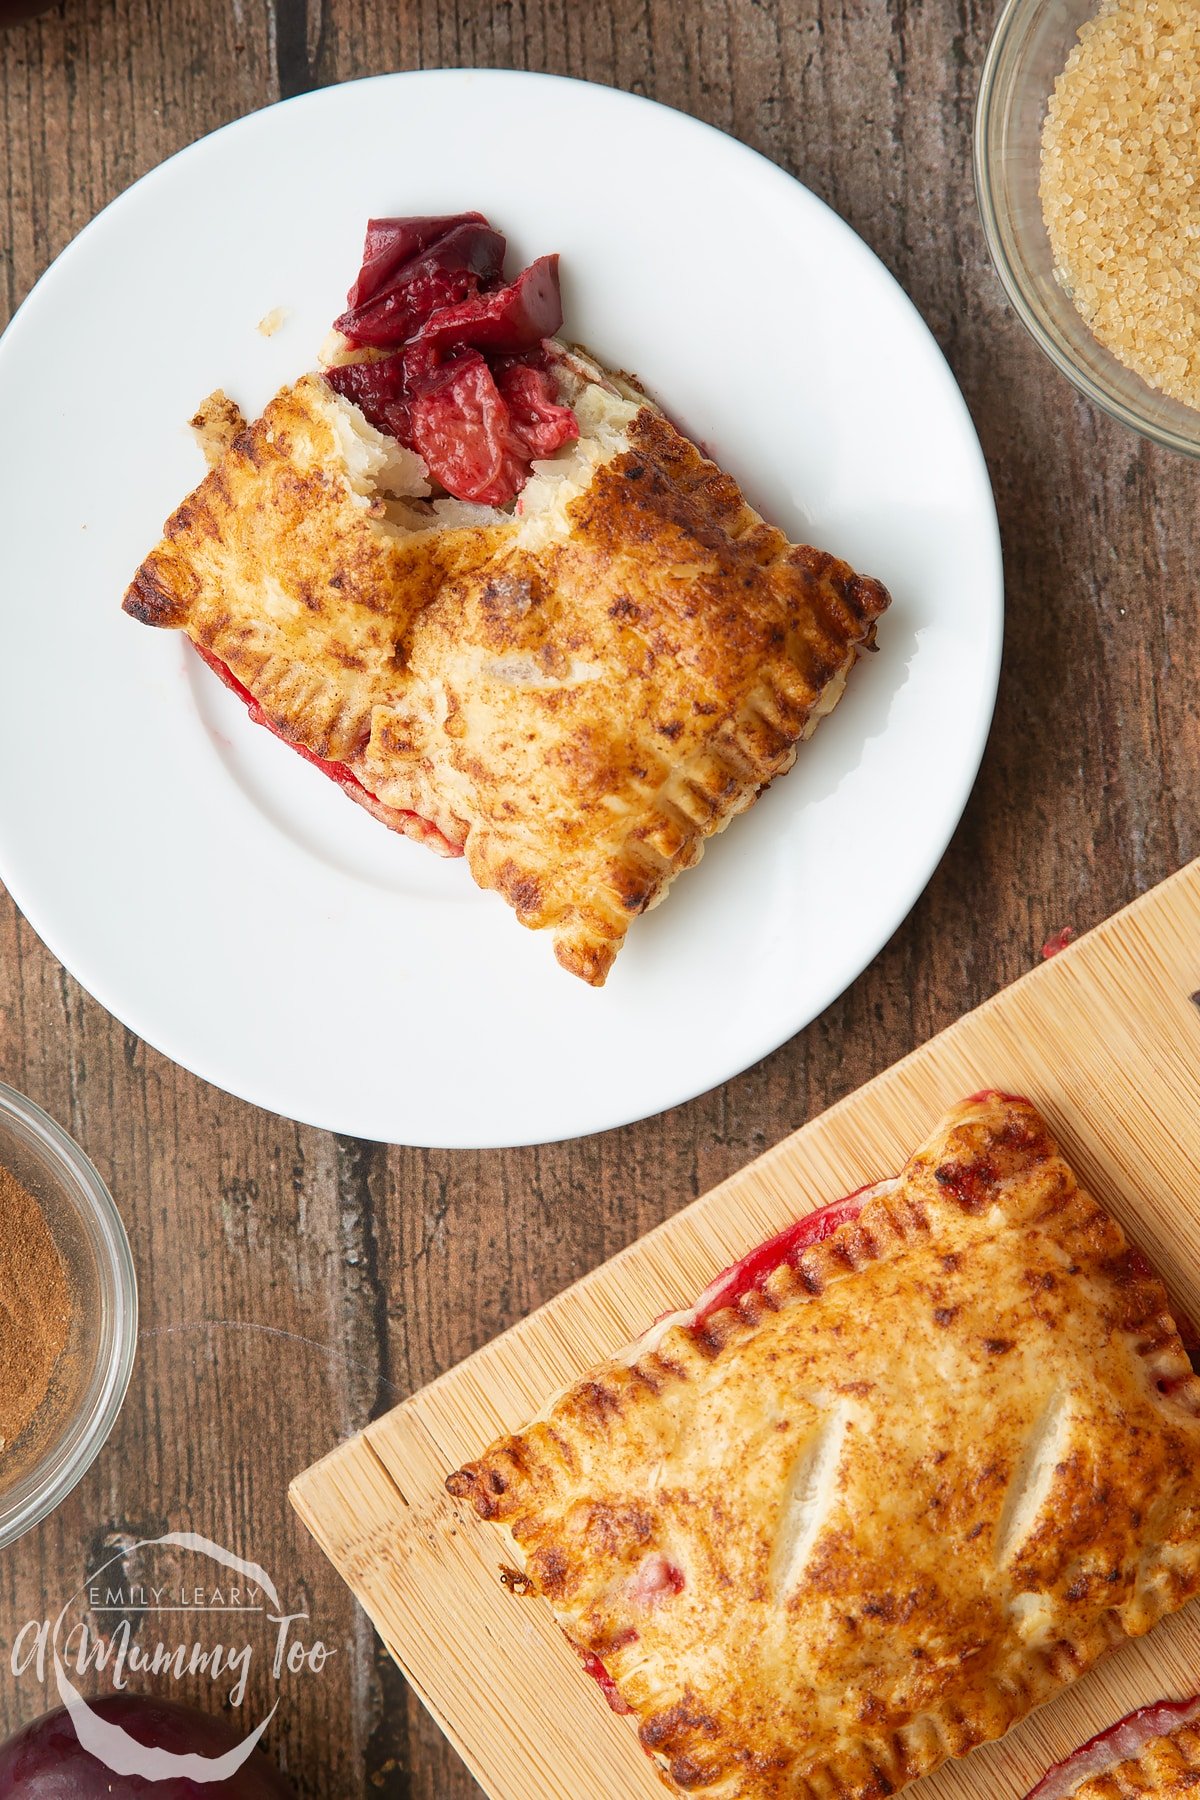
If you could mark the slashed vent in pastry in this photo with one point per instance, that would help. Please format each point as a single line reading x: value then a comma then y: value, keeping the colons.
x: 573, y: 691
x: 865, y: 1506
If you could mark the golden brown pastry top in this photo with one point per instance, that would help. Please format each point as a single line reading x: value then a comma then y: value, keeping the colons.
x: 614, y: 688
x: 578, y: 693
x: 867, y: 1518
x: 283, y: 564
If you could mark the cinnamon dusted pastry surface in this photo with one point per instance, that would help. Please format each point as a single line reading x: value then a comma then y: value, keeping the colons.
x: 866, y: 1518
x: 577, y: 694
x: 284, y: 563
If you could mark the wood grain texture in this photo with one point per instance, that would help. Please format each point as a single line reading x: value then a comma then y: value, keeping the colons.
x: 1105, y: 1040
x: 407, y: 1259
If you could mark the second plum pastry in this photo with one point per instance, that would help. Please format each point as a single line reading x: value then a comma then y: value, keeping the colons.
x: 887, y: 1485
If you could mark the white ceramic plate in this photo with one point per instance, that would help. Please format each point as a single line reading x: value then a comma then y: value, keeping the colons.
x: 224, y: 900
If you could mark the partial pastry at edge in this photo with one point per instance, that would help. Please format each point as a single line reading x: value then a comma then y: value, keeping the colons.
x: 1153, y: 1754
x: 890, y: 1484
x: 574, y: 690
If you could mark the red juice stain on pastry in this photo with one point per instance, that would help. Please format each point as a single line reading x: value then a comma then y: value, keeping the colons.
x: 658, y: 1578
x: 753, y: 1270
x: 593, y: 1666
x: 338, y: 772
x: 463, y: 379
x: 1120, y: 1743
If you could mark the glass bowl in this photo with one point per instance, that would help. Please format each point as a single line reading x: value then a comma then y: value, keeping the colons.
x: 1029, y: 50
x: 39, y: 1469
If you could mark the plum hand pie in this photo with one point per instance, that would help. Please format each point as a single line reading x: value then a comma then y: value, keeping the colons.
x: 893, y: 1481
x: 493, y: 592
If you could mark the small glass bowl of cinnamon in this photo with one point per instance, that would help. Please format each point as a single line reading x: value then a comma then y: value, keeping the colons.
x: 68, y: 1314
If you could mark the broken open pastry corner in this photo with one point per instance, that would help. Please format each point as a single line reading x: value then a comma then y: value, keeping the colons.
x: 574, y: 692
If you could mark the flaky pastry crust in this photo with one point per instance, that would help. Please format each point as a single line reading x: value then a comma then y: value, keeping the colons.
x: 1167, y: 1769
x: 865, y: 1519
x: 283, y: 564
x: 577, y: 694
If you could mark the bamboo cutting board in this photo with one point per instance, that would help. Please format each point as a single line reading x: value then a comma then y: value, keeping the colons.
x: 1105, y: 1039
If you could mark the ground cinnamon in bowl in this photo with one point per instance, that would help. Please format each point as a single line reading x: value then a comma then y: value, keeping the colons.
x: 35, y: 1308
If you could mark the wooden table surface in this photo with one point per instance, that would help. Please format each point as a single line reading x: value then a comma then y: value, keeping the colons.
x: 405, y: 1260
